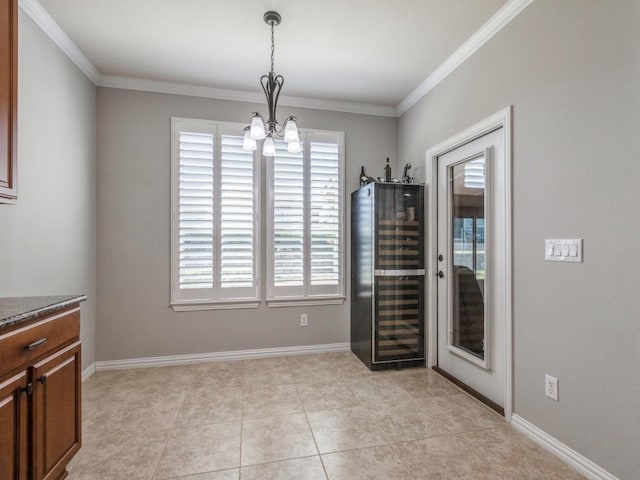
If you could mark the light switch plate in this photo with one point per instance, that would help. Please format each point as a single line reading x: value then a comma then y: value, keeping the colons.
x: 563, y: 250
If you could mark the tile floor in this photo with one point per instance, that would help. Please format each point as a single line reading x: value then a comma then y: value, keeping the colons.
x: 314, y: 417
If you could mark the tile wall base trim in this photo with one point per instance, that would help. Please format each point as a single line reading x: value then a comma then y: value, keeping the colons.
x: 104, y: 365
x: 585, y: 466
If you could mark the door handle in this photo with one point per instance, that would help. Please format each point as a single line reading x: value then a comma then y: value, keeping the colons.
x: 440, y: 274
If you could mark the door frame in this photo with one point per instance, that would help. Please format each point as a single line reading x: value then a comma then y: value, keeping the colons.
x: 499, y: 119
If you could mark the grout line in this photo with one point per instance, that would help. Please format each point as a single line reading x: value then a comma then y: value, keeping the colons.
x: 244, y: 368
x: 315, y: 442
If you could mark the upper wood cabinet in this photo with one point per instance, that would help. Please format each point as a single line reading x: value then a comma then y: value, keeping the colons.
x: 8, y: 99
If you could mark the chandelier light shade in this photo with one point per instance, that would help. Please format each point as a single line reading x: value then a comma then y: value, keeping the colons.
x: 258, y: 128
x: 249, y: 143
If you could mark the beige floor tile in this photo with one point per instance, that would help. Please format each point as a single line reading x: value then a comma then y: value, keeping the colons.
x: 513, y: 456
x: 267, y: 371
x: 345, y: 429
x: 309, y: 468
x: 377, y: 463
x: 184, y: 423
x: 422, y: 383
x: 494, y: 454
x: 276, y: 438
x: 233, y: 474
x: 115, y: 458
x: 326, y: 395
x: 377, y: 389
x: 416, y: 419
x: 199, y: 449
x: 326, y: 367
x: 204, y: 410
x: 266, y: 400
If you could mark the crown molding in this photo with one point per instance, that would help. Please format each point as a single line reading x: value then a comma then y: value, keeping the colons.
x: 49, y: 26
x: 156, y: 86
x: 508, y: 12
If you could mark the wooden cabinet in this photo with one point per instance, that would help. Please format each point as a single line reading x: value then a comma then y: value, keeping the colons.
x: 13, y: 427
x: 40, y: 381
x: 8, y: 99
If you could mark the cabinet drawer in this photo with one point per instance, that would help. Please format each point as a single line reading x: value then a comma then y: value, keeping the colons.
x: 25, y: 344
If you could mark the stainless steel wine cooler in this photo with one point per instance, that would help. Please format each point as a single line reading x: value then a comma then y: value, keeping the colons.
x: 387, y: 275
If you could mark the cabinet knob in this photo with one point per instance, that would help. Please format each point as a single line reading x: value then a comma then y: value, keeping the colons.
x: 440, y: 274
x: 43, y: 379
x: 28, y: 389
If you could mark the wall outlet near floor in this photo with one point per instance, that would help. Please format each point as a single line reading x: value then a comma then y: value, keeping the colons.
x: 304, y: 320
x: 551, y: 387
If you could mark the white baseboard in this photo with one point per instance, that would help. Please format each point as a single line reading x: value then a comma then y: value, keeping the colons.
x: 105, y: 365
x: 87, y: 372
x: 585, y: 466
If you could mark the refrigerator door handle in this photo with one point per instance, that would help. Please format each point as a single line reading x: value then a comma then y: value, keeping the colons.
x: 399, y: 273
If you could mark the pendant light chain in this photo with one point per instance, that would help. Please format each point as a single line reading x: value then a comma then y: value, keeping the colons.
x: 272, y: 47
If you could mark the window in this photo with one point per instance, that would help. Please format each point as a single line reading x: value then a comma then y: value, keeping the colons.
x: 214, y: 225
x: 305, y: 227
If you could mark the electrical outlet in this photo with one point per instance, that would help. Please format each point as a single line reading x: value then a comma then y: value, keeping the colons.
x: 551, y: 387
x: 304, y: 320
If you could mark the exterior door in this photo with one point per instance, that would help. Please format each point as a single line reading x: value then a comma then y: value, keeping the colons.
x: 471, y: 233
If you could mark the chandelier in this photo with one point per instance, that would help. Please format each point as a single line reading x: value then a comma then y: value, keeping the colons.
x: 261, y: 130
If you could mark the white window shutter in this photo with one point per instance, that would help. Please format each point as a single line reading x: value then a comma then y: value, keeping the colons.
x: 237, y: 214
x: 288, y: 218
x: 195, y: 211
x: 215, y: 191
x: 307, y: 221
x: 325, y: 215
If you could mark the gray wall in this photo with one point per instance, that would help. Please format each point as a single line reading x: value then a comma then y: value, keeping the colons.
x: 571, y: 71
x: 48, y: 239
x: 134, y: 226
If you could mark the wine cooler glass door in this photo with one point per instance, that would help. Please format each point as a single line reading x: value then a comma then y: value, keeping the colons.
x: 399, y: 332
x: 399, y: 227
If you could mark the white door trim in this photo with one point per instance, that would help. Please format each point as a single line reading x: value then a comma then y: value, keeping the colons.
x: 495, y: 121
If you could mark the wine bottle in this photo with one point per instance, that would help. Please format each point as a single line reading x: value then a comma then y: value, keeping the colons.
x: 387, y: 171
x: 363, y: 177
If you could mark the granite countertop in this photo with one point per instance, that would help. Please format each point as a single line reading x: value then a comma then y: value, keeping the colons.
x: 15, y: 310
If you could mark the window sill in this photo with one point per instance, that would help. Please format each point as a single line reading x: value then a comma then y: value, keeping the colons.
x: 309, y: 301
x: 224, y: 305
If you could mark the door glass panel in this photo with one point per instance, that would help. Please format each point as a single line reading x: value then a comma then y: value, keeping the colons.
x: 468, y: 254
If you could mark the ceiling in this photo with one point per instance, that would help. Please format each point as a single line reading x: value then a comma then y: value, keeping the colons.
x: 370, y: 52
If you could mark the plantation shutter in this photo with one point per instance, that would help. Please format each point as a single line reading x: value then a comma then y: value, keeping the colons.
x: 325, y: 213
x: 305, y: 235
x: 288, y: 218
x: 214, y: 201
x: 237, y: 214
x: 195, y: 213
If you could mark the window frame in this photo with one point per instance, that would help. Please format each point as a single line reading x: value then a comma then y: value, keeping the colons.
x: 212, y: 298
x: 305, y: 294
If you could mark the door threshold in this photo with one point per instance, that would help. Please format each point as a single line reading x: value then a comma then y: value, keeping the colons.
x: 474, y: 393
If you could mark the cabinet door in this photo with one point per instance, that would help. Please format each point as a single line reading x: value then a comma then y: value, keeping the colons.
x: 13, y: 428
x: 8, y: 98
x: 56, y: 382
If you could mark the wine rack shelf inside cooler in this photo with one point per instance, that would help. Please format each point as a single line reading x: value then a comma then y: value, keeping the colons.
x: 398, y: 332
x: 398, y: 243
